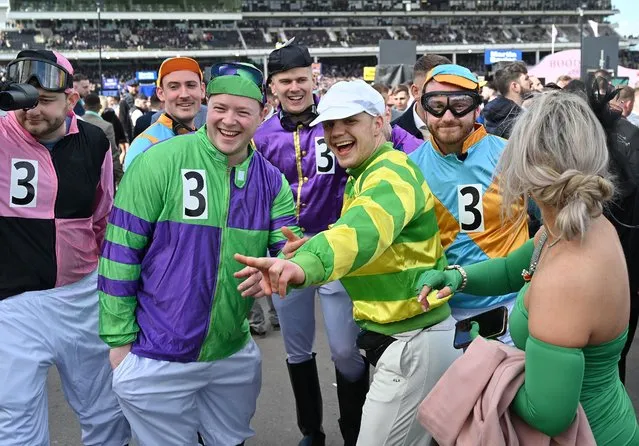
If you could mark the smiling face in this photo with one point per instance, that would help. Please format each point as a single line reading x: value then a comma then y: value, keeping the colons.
x: 182, y: 93
x: 231, y: 122
x: 46, y: 122
x: 294, y: 89
x: 449, y: 131
x: 354, y: 139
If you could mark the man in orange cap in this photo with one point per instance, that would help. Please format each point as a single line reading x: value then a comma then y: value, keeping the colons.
x: 181, y: 88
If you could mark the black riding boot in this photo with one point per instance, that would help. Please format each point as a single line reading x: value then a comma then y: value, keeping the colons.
x: 351, y: 397
x: 308, y: 401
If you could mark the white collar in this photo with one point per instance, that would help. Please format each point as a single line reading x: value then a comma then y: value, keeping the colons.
x: 418, y: 121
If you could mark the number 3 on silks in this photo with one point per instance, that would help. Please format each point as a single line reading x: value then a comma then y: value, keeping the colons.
x: 24, y: 183
x: 194, y: 194
x: 324, y: 158
x: 470, y: 208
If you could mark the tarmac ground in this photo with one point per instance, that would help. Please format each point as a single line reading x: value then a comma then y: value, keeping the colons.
x: 274, y: 422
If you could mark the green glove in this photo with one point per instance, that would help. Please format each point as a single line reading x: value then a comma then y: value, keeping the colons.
x: 474, y: 330
x: 436, y: 280
x: 501, y: 275
x: 493, y: 277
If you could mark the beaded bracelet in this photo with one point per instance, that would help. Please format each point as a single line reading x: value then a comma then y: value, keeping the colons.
x: 462, y: 271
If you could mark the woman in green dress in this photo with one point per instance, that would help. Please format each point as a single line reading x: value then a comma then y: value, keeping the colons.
x: 572, y: 311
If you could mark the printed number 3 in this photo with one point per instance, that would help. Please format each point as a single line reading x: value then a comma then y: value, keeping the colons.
x: 324, y: 158
x: 194, y: 194
x: 24, y: 183
x: 471, y: 209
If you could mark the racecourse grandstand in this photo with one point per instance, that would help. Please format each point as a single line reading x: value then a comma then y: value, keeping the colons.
x: 306, y: 6
x: 374, y: 7
x: 143, y: 32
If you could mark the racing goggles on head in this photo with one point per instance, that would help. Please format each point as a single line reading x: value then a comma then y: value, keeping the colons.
x: 460, y: 103
x: 49, y: 75
x: 238, y: 69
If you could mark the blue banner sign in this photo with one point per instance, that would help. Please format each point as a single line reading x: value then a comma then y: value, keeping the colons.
x: 147, y: 76
x: 494, y: 56
x: 110, y: 83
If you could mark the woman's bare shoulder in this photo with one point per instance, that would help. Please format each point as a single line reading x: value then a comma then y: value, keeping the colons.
x: 561, y: 297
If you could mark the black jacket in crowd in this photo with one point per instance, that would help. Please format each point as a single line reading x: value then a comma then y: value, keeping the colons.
x: 623, y: 211
x: 500, y: 115
x: 407, y: 122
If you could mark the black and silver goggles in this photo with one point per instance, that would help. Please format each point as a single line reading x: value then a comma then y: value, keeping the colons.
x: 460, y: 103
x: 49, y: 75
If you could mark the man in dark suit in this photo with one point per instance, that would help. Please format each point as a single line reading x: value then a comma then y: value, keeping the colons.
x: 126, y: 105
x: 413, y: 120
x: 144, y: 121
x: 82, y: 85
x: 92, y: 116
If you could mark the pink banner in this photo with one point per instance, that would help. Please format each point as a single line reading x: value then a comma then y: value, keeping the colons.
x: 568, y: 62
x: 555, y: 65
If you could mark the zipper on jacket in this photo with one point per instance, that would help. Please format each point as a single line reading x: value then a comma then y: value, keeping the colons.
x: 227, y: 200
x: 300, y: 174
x: 223, y: 230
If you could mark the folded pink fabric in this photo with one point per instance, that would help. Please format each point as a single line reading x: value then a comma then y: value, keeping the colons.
x: 470, y: 403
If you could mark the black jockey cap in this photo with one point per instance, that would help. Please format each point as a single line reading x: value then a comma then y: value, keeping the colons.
x: 287, y: 57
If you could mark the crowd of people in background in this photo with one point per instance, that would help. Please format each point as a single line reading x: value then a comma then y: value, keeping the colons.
x: 508, y: 97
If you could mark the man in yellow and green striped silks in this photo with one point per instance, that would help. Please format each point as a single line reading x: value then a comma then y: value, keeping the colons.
x: 386, y: 237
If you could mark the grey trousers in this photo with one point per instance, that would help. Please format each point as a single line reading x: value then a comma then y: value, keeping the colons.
x: 256, y: 316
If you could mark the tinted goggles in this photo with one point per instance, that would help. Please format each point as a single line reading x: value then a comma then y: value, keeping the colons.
x: 49, y: 75
x: 238, y: 69
x: 460, y: 103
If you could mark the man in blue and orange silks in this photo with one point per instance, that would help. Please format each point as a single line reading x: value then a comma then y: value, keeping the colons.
x: 458, y: 162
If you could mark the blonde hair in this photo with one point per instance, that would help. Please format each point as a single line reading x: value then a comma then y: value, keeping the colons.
x: 557, y: 153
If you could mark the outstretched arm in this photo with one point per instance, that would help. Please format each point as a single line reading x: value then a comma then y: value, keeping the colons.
x: 277, y: 274
x: 254, y: 283
x: 502, y: 275
x: 385, y: 200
